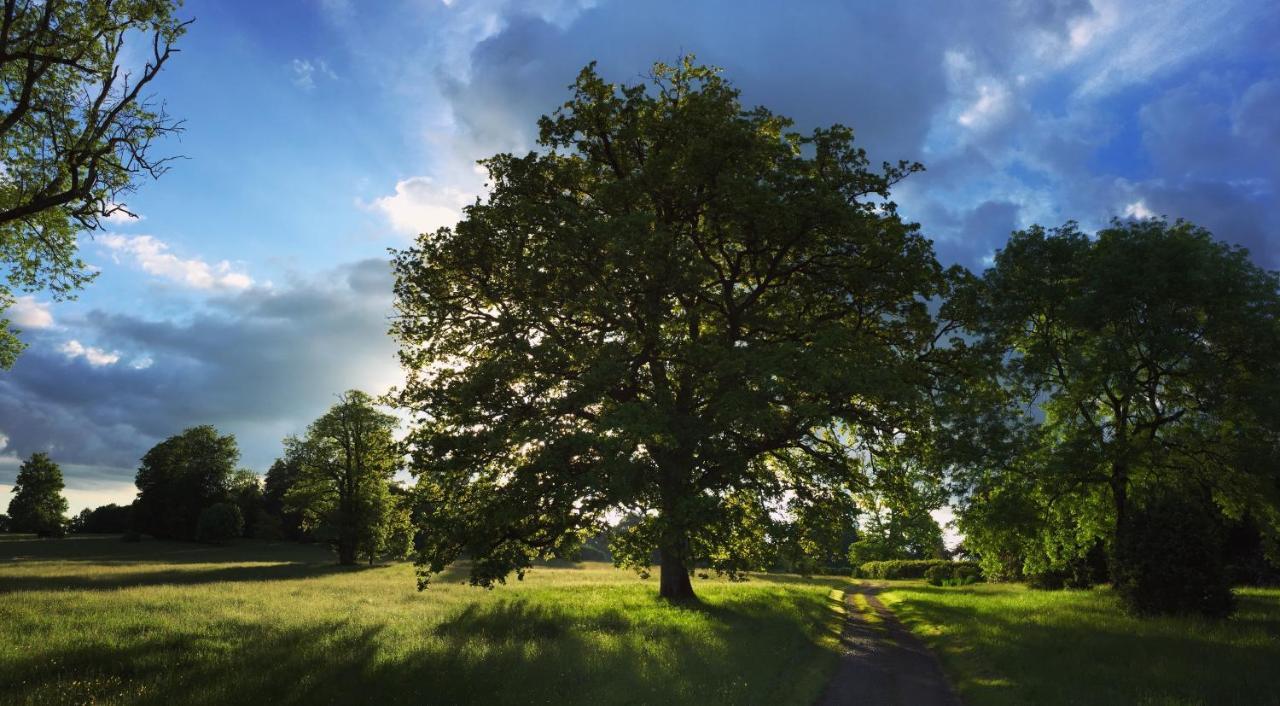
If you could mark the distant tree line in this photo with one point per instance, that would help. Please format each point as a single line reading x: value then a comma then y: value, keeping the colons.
x: 334, y: 485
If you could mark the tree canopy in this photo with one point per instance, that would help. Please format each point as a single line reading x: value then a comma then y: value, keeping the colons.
x: 180, y: 477
x: 37, y: 505
x: 676, y: 308
x: 76, y: 132
x: 1147, y: 358
x: 344, y: 469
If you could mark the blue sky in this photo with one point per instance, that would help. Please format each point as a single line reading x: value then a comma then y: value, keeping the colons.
x: 254, y: 287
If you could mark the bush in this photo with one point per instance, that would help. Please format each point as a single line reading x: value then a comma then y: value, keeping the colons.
x: 913, y: 568
x: 219, y: 522
x: 132, y: 535
x: 1169, y: 559
x: 937, y: 573
x: 952, y: 573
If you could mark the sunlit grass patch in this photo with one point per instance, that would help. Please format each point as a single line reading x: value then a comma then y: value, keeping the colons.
x: 99, y: 620
x: 1006, y: 644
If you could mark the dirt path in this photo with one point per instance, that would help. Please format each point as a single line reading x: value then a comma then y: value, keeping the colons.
x: 883, y: 663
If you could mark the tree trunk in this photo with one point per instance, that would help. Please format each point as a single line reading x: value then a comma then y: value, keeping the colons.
x: 1120, y: 496
x: 673, y: 578
x: 346, y: 553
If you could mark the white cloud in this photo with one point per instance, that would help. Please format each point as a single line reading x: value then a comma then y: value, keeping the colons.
x: 421, y: 206
x: 1138, y: 209
x: 305, y: 72
x: 992, y: 102
x: 153, y: 256
x: 26, y: 312
x: 96, y: 357
x: 142, y: 363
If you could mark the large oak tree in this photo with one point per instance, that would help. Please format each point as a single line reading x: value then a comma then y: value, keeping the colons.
x: 675, y: 309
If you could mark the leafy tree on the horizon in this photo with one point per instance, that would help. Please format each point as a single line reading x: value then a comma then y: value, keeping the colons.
x: 901, y: 531
x: 76, y: 133
x: 280, y: 477
x: 675, y: 307
x: 245, y: 491
x: 180, y: 477
x: 345, y: 465
x: 1151, y: 352
x: 38, y: 505
x: 104, y: 519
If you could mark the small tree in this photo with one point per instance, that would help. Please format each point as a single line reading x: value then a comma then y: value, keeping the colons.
x: 345, y: 464
x: 37, y: 505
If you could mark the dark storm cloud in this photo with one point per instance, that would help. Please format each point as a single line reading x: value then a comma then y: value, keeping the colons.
x: 259, y: 364
x: 898, y: 75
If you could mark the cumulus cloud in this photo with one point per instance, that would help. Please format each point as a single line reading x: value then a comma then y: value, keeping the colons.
x: 260, y: 364
x: 420, y: 205
x: 95, y: 357
x: 153, y: 256
x: 27, y: 313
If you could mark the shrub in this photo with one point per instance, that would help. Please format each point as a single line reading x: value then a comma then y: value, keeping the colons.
x: 937, y: 573
x: 219, y: 522
x: 912, y: 568
x: 1168, y: 559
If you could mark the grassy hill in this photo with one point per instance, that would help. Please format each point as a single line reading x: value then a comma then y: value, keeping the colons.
x: 95, y: 619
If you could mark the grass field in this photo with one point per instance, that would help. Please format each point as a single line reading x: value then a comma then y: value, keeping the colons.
x: 93, y: 619
x: 1005, y: 644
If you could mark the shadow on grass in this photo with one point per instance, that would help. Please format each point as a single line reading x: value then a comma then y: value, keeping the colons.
x: 109, y: 549
x: 505, y: 651
x: 1085, y: 650
x: 175, y: 577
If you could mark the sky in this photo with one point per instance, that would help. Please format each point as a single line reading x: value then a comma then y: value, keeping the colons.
x: 255, y: 286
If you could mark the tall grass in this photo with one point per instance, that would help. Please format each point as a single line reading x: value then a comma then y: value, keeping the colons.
x: 1006, y: 644
x: 97, y: 620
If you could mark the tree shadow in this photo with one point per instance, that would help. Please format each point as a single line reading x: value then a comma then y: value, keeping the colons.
x: 110, y: 550
x: 496, y: 652
x: 91, y: 581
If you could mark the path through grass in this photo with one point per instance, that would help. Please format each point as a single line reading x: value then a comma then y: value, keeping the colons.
x: 95, y: 619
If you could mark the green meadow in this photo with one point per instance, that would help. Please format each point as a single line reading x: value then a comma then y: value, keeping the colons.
x: 1005, y: 644
x: 97, y: 620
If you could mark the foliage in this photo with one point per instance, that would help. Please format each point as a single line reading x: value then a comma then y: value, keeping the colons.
x: 105, y: 519
x: 904, y: 531
x: 913, y: 568
x: 675, y: 308
x: 280, y: 478
x: 219, y: 523
x: 5, y: 524
x: 1171, y: 560
x: 76, y: 131
x: 344, y: 469
x: 279, y: 623
x: 245, y: 490
x: 181, y: 476
x: 1003, y: 645
x: 955, y: 574
x: 1146, y: 358
x: 37, y: 505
